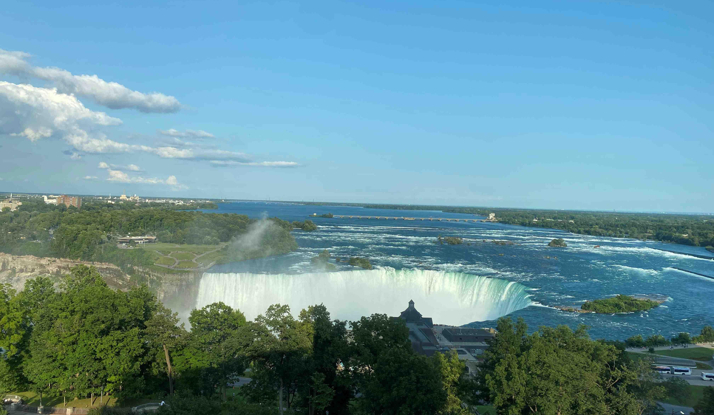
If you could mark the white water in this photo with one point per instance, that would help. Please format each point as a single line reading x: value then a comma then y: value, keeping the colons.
x: 447, y: 297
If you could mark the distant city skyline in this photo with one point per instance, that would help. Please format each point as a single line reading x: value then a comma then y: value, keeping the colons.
x: 576, y: 106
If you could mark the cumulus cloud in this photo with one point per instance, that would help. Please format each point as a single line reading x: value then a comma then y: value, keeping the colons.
x: 186, y: 134
x: 123, y: 177
x: 37, y: 113
x: 110, y: 94
x: 130, y: 167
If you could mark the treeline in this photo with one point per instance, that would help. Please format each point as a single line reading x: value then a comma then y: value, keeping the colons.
x: 657, y: 340
x: 86, y: 340
x: 694, y: 230
x: 90, y: 233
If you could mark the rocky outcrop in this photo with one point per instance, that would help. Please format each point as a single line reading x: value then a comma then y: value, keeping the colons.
x: 17, y: 269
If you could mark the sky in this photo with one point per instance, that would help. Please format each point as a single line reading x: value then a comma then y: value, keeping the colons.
x: 596, y: 105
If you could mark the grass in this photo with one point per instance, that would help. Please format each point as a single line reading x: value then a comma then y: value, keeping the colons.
x: 162, y: 260
x: 695, y: 395
x: 33, y: 399
x: 183, y: 256
x: 186, y: 265
x: 694, y: 353
x: 703, y: 366
x: 486, y: 409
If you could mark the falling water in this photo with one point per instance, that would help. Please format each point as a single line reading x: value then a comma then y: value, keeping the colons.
x: 449, y: 298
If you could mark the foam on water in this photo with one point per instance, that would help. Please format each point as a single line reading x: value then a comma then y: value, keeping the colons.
x: 447, y: 297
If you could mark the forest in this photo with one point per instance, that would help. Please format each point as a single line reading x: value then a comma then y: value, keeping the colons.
x: 83, y: 340
x: 90, y: 233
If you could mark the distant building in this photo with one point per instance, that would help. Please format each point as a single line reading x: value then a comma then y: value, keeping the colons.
x: 123, y: 197
x: 427, y: 338
x: 10, y: 203
x: 68, y: 201
x: 136, y: 239
x: 50, y: 200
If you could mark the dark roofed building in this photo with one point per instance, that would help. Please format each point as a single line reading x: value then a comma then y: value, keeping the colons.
x: 467, y: 335
x: 420, y: 334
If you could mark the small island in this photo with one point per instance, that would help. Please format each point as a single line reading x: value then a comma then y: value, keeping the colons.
x: 451, y: 240
x: 558, y: 243
x: 360, y: 262
x: 619, y: 304
x: 307, y: 226
x: 321, y: 261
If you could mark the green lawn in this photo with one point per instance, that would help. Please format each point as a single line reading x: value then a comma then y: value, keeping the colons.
x: 703, y: 366
x: 33, y: 399
x: 696, y: 393
x: 694, y: 353
x: 162, y: 260
x: 183, y: 256
x: 486, y: 409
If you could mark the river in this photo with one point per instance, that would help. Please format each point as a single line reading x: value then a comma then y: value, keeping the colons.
x: 470, y: 284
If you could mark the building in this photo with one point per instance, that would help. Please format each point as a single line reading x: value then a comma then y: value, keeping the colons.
x: 427, y: 338
x: 137, y: 239
x: 50, y: 200
x: 68, y: 201
x: 10, y: 203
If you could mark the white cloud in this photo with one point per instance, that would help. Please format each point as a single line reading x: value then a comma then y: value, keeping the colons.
x: 90, y: 177
x: 131, y: 167
x: 186, y: 134
x: 122, y: 177
x: 223, y: 163
x: 109, y: 94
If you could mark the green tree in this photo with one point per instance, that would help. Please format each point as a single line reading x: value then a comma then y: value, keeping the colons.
x: 706, y: 336
x: 705, y: 406
x: 164, y: 335
x: 280, y: 349
x: 213, y: 357
x: 555, y: 370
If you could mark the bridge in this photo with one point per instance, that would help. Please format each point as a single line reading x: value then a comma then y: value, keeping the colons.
x: 409, y: 218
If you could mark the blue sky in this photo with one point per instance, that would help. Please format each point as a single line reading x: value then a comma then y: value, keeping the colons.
x: 548, y: 104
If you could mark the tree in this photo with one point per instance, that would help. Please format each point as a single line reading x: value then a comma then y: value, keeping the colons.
x: 635, y: 341
x: 279, y: 350
x: 214, y: 357
x: 706, y: 335
x: 555, y: 370
x: 163, y: 334
x: 705, y: 406
x: 454, y: 382
x: 682, y: 339
x: 330, y: 386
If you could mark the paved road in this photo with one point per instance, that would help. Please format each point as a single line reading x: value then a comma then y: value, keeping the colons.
x: 675, y: 409
x: 694, y: 379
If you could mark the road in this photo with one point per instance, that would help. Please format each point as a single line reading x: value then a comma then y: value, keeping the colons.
x: 693, y: 379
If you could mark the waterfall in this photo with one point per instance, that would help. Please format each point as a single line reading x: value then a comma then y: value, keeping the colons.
x: 447, y: 297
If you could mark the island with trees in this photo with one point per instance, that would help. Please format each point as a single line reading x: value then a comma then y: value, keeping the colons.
x: 619, y: 304
x: 557, y: 243
x: 360, y: 262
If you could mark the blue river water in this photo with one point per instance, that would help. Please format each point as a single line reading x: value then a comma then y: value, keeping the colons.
x: 470, y: 284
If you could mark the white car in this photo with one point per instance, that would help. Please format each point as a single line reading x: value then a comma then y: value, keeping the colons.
x: 708, y: 376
